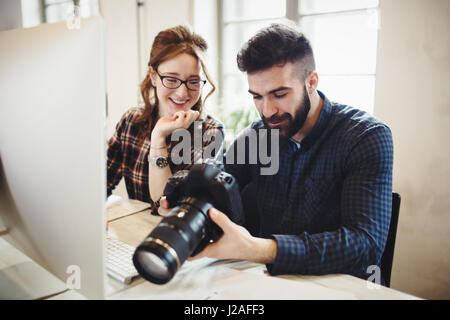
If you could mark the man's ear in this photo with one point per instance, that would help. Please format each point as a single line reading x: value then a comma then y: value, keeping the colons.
x: 312, y: 81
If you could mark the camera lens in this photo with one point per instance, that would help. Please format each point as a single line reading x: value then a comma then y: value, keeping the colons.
x: 173, y: 240
x: 154, y: 264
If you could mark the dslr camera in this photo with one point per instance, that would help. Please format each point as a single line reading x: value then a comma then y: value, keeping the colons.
x: 188, y: 229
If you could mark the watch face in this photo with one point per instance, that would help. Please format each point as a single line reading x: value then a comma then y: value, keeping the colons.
x: 162, y: 162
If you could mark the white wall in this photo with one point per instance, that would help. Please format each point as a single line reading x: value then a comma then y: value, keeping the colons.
x: 413, y: 98
x: 121, y: 58
x: 158, y: 15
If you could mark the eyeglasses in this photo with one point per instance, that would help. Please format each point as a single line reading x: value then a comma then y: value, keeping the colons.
x: 173, y: 83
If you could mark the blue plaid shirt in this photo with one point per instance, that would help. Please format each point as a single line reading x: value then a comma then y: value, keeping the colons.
x: 329, y: 205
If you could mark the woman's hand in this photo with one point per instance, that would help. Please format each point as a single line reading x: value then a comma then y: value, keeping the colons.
x: 168, y: 124
x: 164, y: 207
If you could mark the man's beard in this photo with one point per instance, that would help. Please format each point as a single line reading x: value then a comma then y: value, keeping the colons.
x: 293, y: 125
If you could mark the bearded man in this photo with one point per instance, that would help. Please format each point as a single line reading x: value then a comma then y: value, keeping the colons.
x: 327, y: 209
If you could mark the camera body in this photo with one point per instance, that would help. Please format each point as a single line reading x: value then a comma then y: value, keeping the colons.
x: 188, y: 229
x: 206, y: 183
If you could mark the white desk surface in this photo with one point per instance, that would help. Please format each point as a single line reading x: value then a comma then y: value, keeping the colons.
x: 235, y: 280
x: 22, y: 278
x: 208, y: 278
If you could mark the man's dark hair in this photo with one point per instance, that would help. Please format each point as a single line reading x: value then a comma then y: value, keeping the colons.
x: 276, y: 45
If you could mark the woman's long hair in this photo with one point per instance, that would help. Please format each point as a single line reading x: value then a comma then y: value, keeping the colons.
x: 168, y: 44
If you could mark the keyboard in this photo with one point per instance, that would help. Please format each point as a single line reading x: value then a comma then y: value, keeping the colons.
x: 119, y: 261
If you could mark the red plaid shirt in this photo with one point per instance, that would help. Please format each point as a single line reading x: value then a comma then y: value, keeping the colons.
x: 128, y: 155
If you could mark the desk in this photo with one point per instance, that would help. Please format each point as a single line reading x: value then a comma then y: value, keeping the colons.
x: 196, y: 280
x: 218, y: 279
x: 22, y: 278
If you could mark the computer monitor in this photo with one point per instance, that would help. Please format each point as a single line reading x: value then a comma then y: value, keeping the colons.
x: 53, y: 148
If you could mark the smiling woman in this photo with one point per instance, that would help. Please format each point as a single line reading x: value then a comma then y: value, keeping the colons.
x: 140, y: 148
x: 172, y: 95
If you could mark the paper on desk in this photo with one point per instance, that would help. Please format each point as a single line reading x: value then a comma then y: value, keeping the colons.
x: 118, y: 207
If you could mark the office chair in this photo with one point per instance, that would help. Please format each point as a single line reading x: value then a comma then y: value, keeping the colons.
x: 388, y: 254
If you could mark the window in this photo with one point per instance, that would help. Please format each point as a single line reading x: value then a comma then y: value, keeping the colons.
x: 60, y: 10
x: 343, y: 35
x: 239, y: 22
x: 344, y: 39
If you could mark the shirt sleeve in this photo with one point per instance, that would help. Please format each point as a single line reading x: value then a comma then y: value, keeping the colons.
x: 366, y: 201
x: 115, y: 156
x: 233, y: 162
x: 212, y: 139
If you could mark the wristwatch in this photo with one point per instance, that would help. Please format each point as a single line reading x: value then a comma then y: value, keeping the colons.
x: 159, y: 161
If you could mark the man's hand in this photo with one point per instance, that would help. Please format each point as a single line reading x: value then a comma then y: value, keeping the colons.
x: 237, y: 243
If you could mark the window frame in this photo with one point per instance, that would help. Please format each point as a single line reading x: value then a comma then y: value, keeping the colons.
x: 292, y: 14
x: 92, y: 4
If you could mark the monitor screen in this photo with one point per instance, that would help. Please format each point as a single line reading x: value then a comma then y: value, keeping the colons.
x: 52, y: 148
